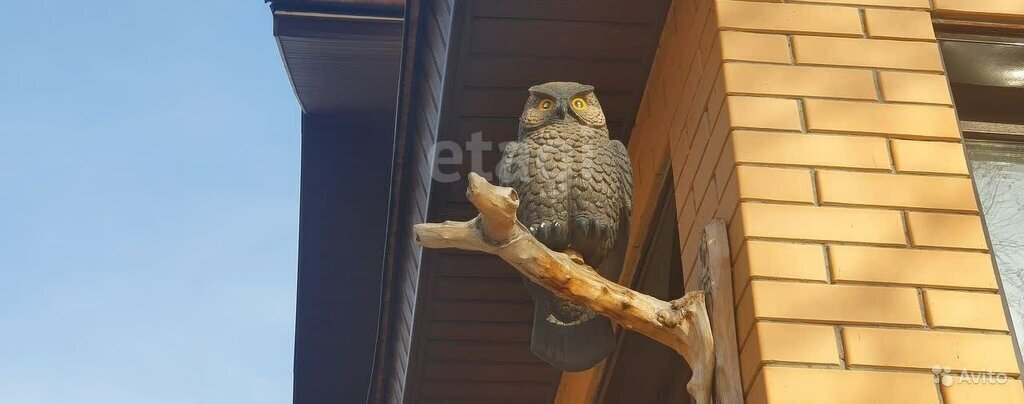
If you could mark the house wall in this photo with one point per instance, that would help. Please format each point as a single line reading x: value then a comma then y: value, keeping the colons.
x: 823, y: 132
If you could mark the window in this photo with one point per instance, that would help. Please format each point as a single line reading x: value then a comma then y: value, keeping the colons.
x: 986, y: 72
x: 999, y: 175
x: 641, y: 370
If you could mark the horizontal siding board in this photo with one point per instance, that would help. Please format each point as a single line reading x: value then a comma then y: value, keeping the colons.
x: 596, y: 40
x: 475, y: 266
x: 488, y: 372
x: 497, y: 352
x: 523, y: 72
x: 507, y: 391
x: 449, y: 289
x: 573, y: 10
x: 508, y: 102
x: 480, y: 331
x: 478, y: 311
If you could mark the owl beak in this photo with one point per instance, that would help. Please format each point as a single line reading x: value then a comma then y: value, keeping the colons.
x: 561, y: 107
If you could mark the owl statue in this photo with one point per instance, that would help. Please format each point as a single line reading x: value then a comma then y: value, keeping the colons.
x: 576, y: 189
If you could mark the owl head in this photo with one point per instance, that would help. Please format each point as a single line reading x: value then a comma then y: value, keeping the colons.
x: 561, y: 101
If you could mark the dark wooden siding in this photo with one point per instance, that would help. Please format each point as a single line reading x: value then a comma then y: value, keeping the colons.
x: 470, y: 338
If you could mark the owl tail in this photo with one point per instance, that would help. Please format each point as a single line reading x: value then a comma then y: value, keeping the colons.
x: 574, y: 346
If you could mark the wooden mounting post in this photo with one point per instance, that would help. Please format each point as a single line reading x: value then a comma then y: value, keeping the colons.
x: 681, y: 324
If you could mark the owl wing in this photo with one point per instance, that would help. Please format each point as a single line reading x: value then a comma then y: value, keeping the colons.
x: 622, y: 169
x: 513, y: 171
x: 508, y: 167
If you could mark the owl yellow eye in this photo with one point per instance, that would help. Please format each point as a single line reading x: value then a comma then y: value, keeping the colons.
x: 579, y: 103
x: 546, y: 104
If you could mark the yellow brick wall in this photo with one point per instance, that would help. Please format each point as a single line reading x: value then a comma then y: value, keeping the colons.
x: 823, y: 132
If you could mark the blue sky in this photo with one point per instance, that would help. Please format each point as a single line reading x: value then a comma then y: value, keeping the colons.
x: 149, y: 167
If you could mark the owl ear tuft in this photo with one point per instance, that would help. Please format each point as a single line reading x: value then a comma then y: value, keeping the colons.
x: 537, y: 92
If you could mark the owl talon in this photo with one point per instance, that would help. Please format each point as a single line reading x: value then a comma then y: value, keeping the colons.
x: 581, y: 225
x: 553, y: 234
x: 560, y: 233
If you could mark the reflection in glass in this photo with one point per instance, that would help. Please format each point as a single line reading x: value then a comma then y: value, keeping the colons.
x: 999, y: 175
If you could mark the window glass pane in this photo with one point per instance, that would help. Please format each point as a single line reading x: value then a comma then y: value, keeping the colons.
x: 999, y: 174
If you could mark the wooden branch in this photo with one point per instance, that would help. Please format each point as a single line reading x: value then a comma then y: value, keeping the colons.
x: 715, y: 274
x: 681, y: 324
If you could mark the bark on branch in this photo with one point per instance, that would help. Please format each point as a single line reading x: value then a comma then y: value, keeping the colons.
x: 681, y: 324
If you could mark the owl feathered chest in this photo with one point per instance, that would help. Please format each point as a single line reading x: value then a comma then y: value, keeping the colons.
x: 567, y: 149
x: 566, y: 173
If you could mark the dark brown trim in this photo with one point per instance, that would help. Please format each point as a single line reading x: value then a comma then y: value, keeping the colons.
x: 458, y: 44
x: 992, y: 131
x: 384, y: 8
x: 383, y: 362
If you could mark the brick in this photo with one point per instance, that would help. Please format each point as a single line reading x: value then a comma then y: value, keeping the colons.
x: 887, y: 3
x: 753, y: 47
x: 707, y: 206
x: 923, y: 349
x: 914, y: 87
x: 946, y: 230
x: 929, y: 157
x: 899, y: 24
x: 822, y: 223
x: 810, y: 150
x: 729, y: 200
x: 685, y: 209
x: 775, y: 184
x: 748, y: 78
x: 679, y: 156
x: 781, y: 342
x: 785, y: 260
x: 867, y: 53
x: 712, y: 68
x: 958, y: 269
x: 834, y: 304
x: 947, y: 308
x: 726, y: 165
x: 1011, y: 8
x: 736, y: 235
x: 909, y: 191
x: 680, y: 189
x: 762, y: 112
x: 740, y: 277
x: 969, y: 393
x: 689, y: 92
x: 789, y: 18
x: 710, y: 156
x: 716, y: 101
x: 689, y: 254
x: 708, y: 35
x: 802, y: 385
x: 744, y: 319
x: 696, y: 152
x: 926, y: 121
